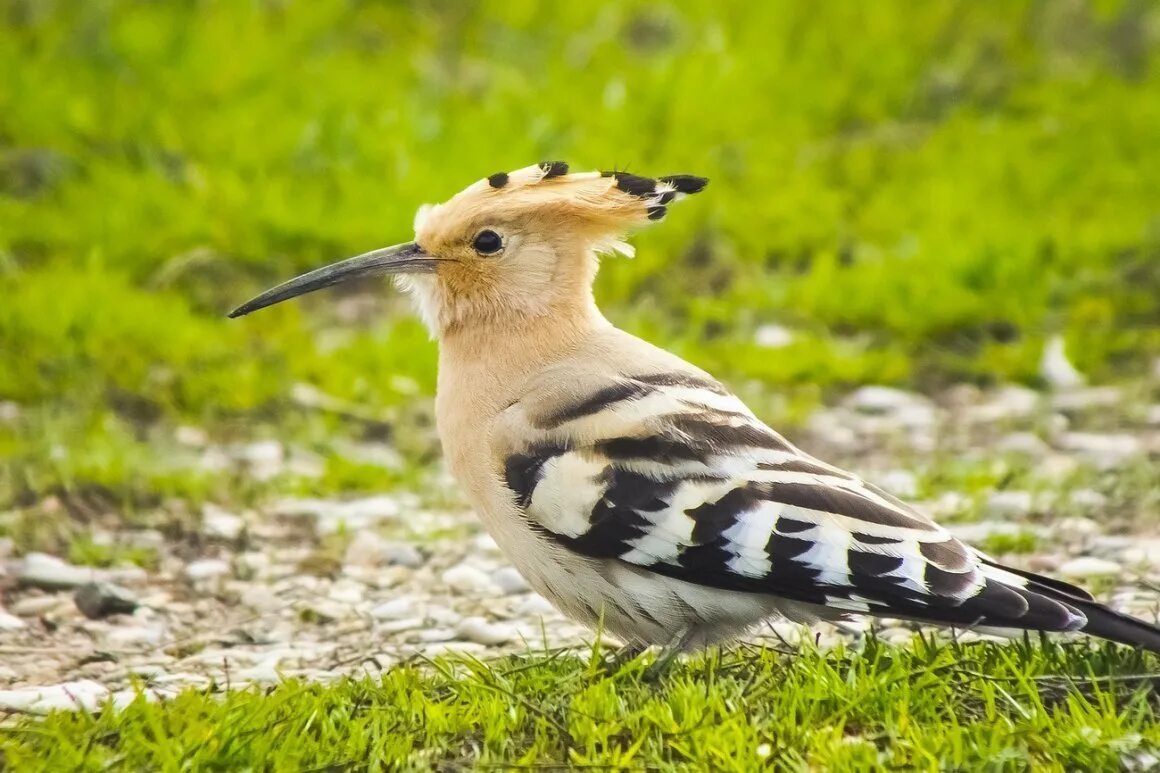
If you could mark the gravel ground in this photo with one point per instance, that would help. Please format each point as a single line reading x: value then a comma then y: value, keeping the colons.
x: 1071, y: 477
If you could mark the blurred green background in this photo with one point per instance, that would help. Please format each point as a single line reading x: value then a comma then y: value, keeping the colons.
x: 922, y: 193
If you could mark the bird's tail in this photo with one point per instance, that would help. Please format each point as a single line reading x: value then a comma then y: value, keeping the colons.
x: 1100, y: 620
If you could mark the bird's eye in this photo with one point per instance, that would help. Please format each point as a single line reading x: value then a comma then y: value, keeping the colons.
x: 487, y: 242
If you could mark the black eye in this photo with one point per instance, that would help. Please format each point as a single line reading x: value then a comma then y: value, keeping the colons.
x: 487, y: 242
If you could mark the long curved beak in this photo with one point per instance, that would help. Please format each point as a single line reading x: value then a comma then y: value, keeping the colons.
x: 406, y: 258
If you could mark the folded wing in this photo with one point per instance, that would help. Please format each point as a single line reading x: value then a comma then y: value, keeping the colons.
x: 671, y: 473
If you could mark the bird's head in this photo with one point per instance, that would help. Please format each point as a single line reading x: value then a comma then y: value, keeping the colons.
x: 513, y: 245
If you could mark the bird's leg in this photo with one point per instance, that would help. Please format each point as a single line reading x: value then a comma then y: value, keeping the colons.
x: 668, y: 654
x: 623, y: 655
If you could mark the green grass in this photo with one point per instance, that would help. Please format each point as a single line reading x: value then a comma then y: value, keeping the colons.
x: 928, y: 707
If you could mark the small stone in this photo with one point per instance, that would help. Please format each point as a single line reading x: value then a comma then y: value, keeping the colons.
x: 1152, y: 415
x: 265, y: 458
x: 9, y: 411
x: 1105, y: 450
x: 773, y: 336
x: 435, y: 635
x: 371, y: 550
x: 41, y: 570
x: 900, y: 483
x: 36, y: 606
x: 216, y: 522
x: 974, y: 533
x: 1089, y: 566
x: 1143, y: 551
x: 69, y: 696
x: 206, y: 569
x: 347, y: 592
x: 322, y: 611
x: 1076, y: 400
x: 10, y: 622
x: 478, y: 630
x: 535, y: 605
x: 395, y: 609
x: 949, y: 503
x: 1088, y: 499
x: 400, y: 625
x: 1056, y: 369
x: 882, y: 399
x: 1076, y: 527
x: 97, y: 600
x: 7, y: 547
x: 1009, y: 504
x: 1026, y: 443
x: 404, y: 554
x: 510, y: 581
x: 366, y: 549
x: 260, y: 598
x: 467, y: 579
x: 331, y: 516
x: 1009, y: 402
x: 134, y: 637
x: 194, y: 437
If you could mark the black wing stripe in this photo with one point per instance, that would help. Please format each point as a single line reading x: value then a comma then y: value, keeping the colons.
x: 715, y: 433
x: 603, y: 399
x: 827, y: 499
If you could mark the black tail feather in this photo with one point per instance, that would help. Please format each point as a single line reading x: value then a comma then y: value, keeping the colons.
x: 1107, y: 623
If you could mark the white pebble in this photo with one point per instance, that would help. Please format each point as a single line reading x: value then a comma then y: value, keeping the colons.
x: 347, y: 592
x: 206, y: 569
x: 1088, y: 499
x: 1089, y: 566
x: 132, y: 637
x: 478, y: 630
x: 1076, y: 527
x: 402, y: 624
x: 1143, y: 551
x: 881, y: 399
x: 1104, y: 450
x: 510, y: 581
x: 44, y: 571
x: 773, y: 336
x: 216, y: 522
x: 435, y: 634
x: 468, y: 580
x: 69, y: 696
x: 186, y: 435
x: 395, y: 609
x: 1009, y: 504
x: 535, y: 605
x: 979, y: 531
x: 260, y: 598
x: 10, y: 622
x: 900, y: 483
x: 1056, y: 369
x: 331, y: 516
x: 1026, y: 443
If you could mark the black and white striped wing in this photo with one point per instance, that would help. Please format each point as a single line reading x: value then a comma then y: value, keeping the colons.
x: 672, y: 473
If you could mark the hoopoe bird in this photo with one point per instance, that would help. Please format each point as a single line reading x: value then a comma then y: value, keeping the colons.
x: 632, y: 489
